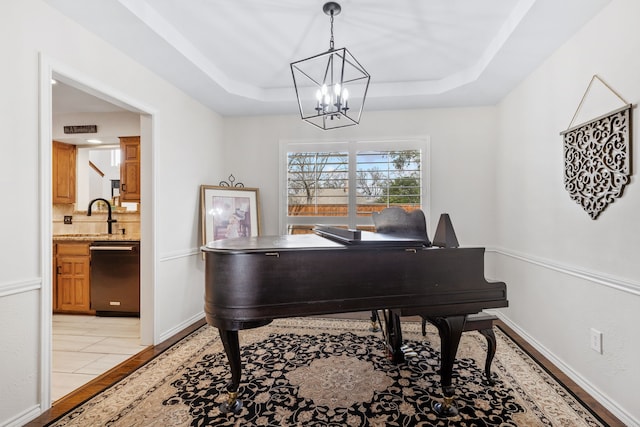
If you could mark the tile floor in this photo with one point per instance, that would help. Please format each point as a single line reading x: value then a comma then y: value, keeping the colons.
x: 86, y: 346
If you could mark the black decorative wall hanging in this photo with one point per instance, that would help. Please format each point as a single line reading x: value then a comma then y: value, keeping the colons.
x: 597, y: 157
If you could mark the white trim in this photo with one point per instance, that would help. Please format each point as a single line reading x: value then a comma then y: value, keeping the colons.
x: 148, y: 231
x: 592, y: 390
x: 352, y: 145
x: 24, y: 417
x: 13, y: 288
x: 592, y: 276
x: 186, y: 253
x: 46, y: 254
x: 50, y: 68
x: 182, y: 326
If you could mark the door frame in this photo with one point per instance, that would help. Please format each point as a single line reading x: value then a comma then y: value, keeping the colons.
x: 49, y: 68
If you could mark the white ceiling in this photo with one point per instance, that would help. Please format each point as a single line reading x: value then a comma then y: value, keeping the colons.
x: 67, y: 99
x: 234, y: 56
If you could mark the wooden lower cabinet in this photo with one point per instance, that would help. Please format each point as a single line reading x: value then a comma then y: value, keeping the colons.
x: 72, y: 287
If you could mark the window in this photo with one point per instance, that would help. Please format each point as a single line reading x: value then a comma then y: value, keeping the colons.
x: 341, y: 184
x: 115, y: 157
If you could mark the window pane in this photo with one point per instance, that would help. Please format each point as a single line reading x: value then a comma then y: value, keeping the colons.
x: 115, y: 157
x: 317, y: 184
x: 388, y: 178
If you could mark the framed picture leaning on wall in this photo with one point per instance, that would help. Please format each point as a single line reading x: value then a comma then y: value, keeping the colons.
x: 228, y: 212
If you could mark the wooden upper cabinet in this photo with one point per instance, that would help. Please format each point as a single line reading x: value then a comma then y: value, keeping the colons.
x: 64, y: 173
x: 130, y: 169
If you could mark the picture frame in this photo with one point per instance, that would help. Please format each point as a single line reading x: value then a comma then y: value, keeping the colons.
x: 229, y: 212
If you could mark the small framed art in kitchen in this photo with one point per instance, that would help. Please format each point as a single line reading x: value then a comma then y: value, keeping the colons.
x: 229, y: 212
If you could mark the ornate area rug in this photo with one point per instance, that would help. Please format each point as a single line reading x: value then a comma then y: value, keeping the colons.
x: 325, y: 372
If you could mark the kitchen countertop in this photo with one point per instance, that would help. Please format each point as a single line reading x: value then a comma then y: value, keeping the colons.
x: 94, y: 237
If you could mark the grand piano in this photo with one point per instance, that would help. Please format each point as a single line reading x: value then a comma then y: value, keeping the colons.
x: 251, y: 281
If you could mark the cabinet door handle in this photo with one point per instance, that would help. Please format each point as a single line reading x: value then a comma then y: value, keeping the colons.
x: 123, y: 187
x: 58, y: 268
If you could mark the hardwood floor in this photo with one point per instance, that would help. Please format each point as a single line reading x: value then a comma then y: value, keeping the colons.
x: 119, y: 372
x: 109, y: 378
x: 596, y: 408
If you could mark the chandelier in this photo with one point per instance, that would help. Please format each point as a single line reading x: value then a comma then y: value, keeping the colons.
x: 331, y: 87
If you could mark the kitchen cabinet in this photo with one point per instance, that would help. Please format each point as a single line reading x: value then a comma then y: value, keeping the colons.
x: 63, y: 172
x: 130, y: 169
x: 72, y: 288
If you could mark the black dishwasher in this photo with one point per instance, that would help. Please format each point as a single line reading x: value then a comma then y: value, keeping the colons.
x: 115, y: 278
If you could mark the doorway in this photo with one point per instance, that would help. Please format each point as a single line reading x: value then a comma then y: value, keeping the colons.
x: 142, y: 327
x: 87, y: 346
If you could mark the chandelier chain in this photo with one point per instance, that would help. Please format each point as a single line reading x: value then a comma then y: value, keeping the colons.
x: 331, y: 39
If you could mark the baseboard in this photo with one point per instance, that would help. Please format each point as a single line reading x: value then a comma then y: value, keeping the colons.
x: 23, y: 417
x: 182, y: 326
x: 616, y: 410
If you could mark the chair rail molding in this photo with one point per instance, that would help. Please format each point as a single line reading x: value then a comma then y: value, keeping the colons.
x: 592, y: 276
x: 12, y: 288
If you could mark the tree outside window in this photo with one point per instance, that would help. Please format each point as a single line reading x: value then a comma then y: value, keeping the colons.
x: 319, y: 183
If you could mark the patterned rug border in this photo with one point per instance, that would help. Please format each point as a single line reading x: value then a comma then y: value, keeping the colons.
x: 549, y: 375
x: 193, y: 345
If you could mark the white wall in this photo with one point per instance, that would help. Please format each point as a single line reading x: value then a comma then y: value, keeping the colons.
x: 109, y: 126
x: 499, y: 173
x: 567, y: 273
x: 181, y: 149
x: 496, y: 171
x: 461, y: 171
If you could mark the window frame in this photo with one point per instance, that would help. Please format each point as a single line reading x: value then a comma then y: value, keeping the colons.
x: 351, y: 146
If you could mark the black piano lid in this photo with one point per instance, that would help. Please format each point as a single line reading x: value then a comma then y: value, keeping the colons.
x: 308, y: 242
x: 271, y: 243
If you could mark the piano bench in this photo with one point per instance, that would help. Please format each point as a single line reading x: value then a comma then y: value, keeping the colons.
x: 482, y: 322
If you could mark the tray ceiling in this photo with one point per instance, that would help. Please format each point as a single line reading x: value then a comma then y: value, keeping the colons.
x: 234, y: 56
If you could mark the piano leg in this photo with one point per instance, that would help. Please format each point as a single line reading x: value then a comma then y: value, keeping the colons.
x: 374, y: 321
x: 232, y: 348
x: 491, y: 352
x: 450, y: 330
x: 393, y: 336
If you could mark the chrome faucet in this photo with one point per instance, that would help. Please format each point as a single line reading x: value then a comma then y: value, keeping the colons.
x: 109, y: 220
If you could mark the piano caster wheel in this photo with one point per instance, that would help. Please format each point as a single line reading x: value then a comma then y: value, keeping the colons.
x: 232, y: 405
x: 447, y: 408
